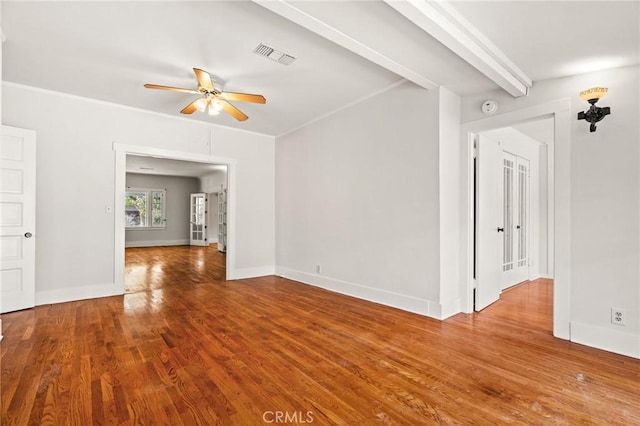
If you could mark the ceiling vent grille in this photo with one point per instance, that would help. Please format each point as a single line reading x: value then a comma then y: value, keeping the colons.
x: 273, y: 54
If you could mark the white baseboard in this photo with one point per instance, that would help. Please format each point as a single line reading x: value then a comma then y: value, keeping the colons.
x: 0, y: 330
x: 543, y: 276
x: 384, y: 297
x: 606, y: 338
x: 158, y: 243
x: 449, y: 309
x: 213, y: 240
x: 259, y: 271
x: 71, y: 294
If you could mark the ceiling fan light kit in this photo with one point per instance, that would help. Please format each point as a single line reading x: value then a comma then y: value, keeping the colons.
x: 209, y: 103
x: 212, y: 100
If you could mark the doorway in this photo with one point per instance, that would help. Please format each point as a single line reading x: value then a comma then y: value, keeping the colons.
x: 558, y: 218
x: 167, y: 235
x: 122, y: 152
x: 511, y: 236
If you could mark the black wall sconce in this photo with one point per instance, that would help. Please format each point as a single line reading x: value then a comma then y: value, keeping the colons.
x: 594, y: 113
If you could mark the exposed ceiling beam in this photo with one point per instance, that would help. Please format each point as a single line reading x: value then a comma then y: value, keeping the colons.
x: 444, y: 23
x: 313, y: 24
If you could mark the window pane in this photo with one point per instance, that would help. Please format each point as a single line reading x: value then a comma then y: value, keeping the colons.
x: 135, y: 207
x: 157, y: 200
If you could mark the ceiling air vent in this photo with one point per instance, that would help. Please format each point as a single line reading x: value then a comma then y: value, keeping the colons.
x: 273, y: 54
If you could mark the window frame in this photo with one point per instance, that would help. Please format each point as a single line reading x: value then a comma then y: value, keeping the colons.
x: 148, y: 226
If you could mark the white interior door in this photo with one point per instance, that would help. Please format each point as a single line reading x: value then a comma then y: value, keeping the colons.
x: 515, y: 219
x: 488, y: 223
x: 198, y: 220
x: 222, y: 220
x: 17, y: 219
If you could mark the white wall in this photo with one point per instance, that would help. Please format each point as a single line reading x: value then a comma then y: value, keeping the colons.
x: 604, y: 203
x: 357, y: 193
x: 176, y: 231
x: 75, y: 137
x: 449, y: 201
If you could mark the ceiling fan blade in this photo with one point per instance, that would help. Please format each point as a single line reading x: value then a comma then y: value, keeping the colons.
x: 204, y: 79
x: 173, y: 89
x: 191, y: 108
x: 243, y: 97
x: 235, y: 112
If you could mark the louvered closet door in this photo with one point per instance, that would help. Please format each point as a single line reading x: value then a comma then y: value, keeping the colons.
x: 515, y: 219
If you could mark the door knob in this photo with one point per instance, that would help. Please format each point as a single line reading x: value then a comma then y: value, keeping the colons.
x: 28, y: 235
x: 500, y: 229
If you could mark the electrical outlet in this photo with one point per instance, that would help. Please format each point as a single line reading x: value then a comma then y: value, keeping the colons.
x: 317, y: 269
x: 618, y: 316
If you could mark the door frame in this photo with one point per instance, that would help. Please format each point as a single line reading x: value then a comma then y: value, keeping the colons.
x: 559, y: 192
x: 25, y: 257
x: 205, y: 224
x: 121, y: 152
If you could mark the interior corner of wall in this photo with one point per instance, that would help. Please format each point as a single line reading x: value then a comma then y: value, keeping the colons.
x: 450, y: 308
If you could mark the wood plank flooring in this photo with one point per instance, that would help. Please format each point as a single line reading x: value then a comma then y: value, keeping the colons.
x: 529, y: 303
x: 149, y: 268
x: 273, y: 351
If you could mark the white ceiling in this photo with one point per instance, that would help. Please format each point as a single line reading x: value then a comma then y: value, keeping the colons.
x: 108, y: 50
x: 551, y: 39
x: 163, y: 166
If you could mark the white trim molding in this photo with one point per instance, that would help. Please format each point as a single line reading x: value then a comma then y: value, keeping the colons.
x: 71, y: 294
x: 388, y: 298
x: 258, y: 271
x: 559, y: 195
x: 606, y: 338
x: 121, y: 152
x: 127, y: 107
x: 296, y: 15
x: 444, y: 23
x: 158, y: 243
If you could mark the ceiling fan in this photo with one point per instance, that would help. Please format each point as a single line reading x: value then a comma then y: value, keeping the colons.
x: 212, y: 99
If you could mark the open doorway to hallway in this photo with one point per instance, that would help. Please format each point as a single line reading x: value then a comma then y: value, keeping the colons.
x: 513, y: 186
x: 170, y: 239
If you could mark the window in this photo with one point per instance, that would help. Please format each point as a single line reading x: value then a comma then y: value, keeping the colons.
x: 145, y: 208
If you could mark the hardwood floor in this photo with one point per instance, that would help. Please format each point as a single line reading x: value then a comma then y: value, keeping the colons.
x: 149, y: 268
x: 529, y: 303
x: 273, y: 351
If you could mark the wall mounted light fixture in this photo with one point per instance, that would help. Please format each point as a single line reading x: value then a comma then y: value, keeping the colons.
x: 594, y: 113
